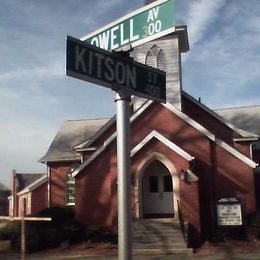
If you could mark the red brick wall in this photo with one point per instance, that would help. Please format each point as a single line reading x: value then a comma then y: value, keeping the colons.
x: 86, y: 181
x: 204, y: 118
x: 243, y: 147
x: 39, y: 199
x: 220, y: 173
x: 96, y: 191
x: 189, y: 200
x: 235, y: 179
x: 215, y: 126
x: 57, y: 183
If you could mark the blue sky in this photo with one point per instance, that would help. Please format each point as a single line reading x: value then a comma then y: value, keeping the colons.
x: 222, y: 66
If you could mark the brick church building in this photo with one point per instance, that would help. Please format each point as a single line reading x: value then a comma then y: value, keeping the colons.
x: 185, y: 157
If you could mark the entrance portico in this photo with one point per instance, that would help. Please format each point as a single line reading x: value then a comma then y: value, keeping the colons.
x: 157, y: 188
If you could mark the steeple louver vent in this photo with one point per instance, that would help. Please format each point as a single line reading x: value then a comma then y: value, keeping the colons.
x: 156, y: 58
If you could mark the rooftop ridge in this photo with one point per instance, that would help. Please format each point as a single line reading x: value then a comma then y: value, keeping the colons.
x: 239, y: 107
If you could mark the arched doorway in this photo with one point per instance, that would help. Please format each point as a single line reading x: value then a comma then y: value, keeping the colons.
x: 143, y: 169
x: 157, y: 191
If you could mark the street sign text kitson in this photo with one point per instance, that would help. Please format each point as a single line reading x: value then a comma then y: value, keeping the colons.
x: 151, y: 21
x: 101, y: 67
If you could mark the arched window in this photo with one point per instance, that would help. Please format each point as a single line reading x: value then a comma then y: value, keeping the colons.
x: 156, y: 58
x: 70, y: 185
x: 161, y: 60
x: 151, y: 57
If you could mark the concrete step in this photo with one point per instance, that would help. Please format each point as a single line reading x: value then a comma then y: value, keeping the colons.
x: 150, y: 251
x: 155, y: 239
x: 158, y: 241
x: 159, y: 245
x: 158, y: 235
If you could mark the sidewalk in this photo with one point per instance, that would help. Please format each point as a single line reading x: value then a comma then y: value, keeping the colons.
x: 218, y: 256
x: 226, y: 251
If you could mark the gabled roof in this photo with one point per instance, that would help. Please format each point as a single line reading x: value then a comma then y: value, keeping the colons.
x: 165, y: 141
x: 247, y: 118
x: 34, y: 184
x: 211, y: 136
x: 25, y: 179
x: 188, y: 120
x: 137, y: 148
x: 222, y: 116
x: 70, y: 134
x: 87, y: 144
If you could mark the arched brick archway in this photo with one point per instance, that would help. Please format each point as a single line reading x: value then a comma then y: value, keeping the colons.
x: 142, y: 174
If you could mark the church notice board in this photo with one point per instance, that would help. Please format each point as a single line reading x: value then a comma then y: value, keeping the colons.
x: 229, y: 212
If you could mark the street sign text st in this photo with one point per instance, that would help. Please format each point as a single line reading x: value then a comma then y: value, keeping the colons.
x: 110, y: 70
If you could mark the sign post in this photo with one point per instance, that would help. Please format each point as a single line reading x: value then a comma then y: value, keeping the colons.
x: 127, y: 77
x: 123, y: 175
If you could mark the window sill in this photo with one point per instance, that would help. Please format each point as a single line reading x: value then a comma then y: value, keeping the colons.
x: 70, y: 204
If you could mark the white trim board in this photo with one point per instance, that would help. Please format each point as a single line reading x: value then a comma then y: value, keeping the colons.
x: 241, y: 132
x: 165, y: 141
x: 110, y: 139
x: 33, y: 185
x: 108, y: 124
x: 188, y: 120
x: 236, y: 153
x: 211, y: 136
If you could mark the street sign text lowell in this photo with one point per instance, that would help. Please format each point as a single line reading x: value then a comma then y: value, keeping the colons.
x: 146, y: 22
x: 101, y: 67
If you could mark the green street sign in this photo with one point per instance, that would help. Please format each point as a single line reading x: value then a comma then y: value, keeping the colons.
x: 90, y: 63
x: 145, y: 24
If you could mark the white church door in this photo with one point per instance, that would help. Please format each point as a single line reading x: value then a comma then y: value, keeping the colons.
x: 157, y: 191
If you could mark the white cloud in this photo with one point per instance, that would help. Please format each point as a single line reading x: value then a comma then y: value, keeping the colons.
x: 35, y: 73
x: 23, y: 140
x: 201, y: 14
x: 221, y: 66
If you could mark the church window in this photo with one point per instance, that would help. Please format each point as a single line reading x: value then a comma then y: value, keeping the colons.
x: 167, y: 183
x: 153, y: 183
x: 70, y: 185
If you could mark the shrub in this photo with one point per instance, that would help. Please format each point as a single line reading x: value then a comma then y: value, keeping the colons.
x: 100, y: 234
x: 44, y: 235
x: 14, y: 230
x: 4, y: 231
x: 254, y: 222
x: 62, y: 230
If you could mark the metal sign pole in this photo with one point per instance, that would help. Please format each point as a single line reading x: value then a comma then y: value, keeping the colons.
x: 123, y: 176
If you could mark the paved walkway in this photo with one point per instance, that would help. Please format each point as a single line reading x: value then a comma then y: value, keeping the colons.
x: 215, y: 256
x: 208, y: 253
